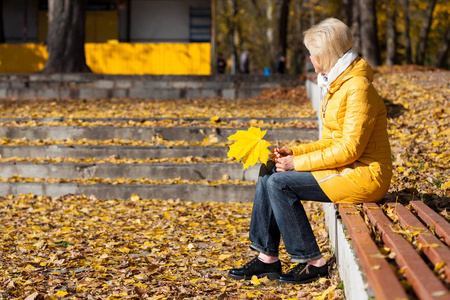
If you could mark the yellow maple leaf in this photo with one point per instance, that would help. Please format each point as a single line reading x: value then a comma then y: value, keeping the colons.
x: 249, y: 146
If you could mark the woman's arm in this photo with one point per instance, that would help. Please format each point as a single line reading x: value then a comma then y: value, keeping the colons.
x: 311, y: 147
x: 359, y: 121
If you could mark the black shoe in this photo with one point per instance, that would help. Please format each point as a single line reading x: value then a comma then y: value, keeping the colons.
x: 258, y: 268
x: 303, y: 273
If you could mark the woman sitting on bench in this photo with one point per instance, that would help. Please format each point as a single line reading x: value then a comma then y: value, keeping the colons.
x: 351, y: 163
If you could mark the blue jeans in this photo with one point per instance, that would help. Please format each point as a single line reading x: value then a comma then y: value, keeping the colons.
x: 278, y: 211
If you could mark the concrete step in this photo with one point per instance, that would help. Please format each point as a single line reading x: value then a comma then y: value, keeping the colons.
x: 103, y: 151
x: 187, y: 192
x: 142, y: 87
x: 193, y: 134
x: 239, y: 120
x: 45, y: 92
x: 156, y: 171
x: 145, y: 81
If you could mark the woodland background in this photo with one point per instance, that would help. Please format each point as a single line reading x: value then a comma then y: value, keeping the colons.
x: 398, y: 32
x: 385, y: 32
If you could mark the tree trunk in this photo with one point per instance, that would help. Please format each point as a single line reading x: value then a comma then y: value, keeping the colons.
x: 283, y: 27
x: 424, y: 30
x: 406, y: 36
x: 299, y: 54
x: 356, y: 25
x: 369, y: 41
x: 390, y: 34
x: 2, y: 31
x: 25, y: 22
x: 312, y: 13
x: 66, y: 37
x: 236, y: 34
x: 269, y: 33
x: 442, y: 53
x: 348, y: 11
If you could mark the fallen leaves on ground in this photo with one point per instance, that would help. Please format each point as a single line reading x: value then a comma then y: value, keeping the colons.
x: 163, y: 123
x: 123, y: 180
x: 156, y: 141
x: 418, y: 105
x: 115, y: 160
x: 78, y: 247
x: 298, y: 107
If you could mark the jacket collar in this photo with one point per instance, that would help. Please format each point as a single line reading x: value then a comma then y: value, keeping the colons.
x: 359, y: 67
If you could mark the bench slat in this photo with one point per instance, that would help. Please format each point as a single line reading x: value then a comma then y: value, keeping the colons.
x: 440, y: 226
x: 424, y: 282
x: 381, y: 278
x: 435, y: 254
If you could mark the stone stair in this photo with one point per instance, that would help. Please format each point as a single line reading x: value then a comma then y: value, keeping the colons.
x: 99, y: 86
x: 33, y: 169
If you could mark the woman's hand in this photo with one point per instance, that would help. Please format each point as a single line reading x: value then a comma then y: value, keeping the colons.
x: 283, y: 158
x: 285, y: 163
x: 277, y: 153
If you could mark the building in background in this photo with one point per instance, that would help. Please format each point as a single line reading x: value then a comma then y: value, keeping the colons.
x: 122, y: 36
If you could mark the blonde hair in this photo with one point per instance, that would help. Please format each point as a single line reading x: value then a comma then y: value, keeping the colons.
x: 328, y: 41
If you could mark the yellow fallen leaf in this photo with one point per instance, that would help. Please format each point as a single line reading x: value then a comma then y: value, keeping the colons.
x: 135, y: 197
x: 61, y: 293
x: 438, y: 266
x: 325, y: 295
x: 445, y: 186
x: 249, y: 146
x: 430, y: 246
x: 255, y: 280
x: 222, y: 257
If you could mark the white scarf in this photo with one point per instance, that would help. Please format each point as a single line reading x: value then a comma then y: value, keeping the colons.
x: 324, y: 81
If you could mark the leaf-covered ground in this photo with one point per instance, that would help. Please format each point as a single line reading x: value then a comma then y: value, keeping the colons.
x: 418, y: 103
x: 76, y: 247
x: 266, y: 106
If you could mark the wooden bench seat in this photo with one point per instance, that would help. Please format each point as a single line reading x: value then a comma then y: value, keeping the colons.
x: 404, y: 254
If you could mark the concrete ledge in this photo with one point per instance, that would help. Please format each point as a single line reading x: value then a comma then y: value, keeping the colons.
x: 99, y: 152
x: 156, y: 171
x: 350, y: 270
x: 194, y: 134
x: 187, y: 192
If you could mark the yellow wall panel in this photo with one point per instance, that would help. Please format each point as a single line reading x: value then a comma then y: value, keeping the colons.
x: 22, y: 58
x: 117, y: 58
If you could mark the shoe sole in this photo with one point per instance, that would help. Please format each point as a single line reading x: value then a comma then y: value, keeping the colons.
x: 271, y: 276
x: 281, y: 281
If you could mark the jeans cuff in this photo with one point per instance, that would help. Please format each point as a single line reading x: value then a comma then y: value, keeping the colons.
x: 264, y: 250
x: 298, y: 259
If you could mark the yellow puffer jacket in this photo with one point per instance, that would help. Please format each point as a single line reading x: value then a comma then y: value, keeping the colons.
x: 352, y: 160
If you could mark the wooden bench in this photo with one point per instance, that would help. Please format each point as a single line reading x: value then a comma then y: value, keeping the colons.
x: 404, y: 253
